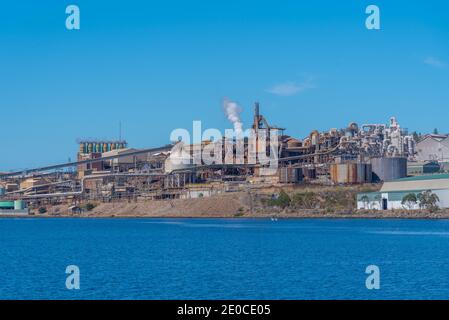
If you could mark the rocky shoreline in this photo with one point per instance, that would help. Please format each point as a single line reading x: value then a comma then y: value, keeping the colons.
x: 296, y: 215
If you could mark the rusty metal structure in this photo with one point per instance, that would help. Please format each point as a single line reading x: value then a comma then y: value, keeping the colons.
x: 351, y: 173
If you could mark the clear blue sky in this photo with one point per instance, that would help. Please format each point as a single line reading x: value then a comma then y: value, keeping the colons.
x: 158, y: 65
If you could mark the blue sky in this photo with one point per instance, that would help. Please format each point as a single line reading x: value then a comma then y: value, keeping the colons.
x: 159, y: 65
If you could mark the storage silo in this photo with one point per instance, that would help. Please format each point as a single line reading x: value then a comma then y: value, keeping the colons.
x: 90, y: 148
x: 351, y: 173
x: 389, y: 168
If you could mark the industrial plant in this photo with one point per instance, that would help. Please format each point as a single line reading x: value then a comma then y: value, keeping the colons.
x: 112, y: 171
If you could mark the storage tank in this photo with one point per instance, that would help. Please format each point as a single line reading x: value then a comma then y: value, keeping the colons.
x: 389, y: 168
x: 6, y: 205
x: 351, y: 173
x: 90, y: 148
x: 2, y: 191
x: 290, y: 175
x: 19, y: 205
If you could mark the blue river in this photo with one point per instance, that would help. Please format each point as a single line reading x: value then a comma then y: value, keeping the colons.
x: 223, y: 258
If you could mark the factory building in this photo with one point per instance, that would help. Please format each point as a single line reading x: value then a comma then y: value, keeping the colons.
x: 422, y: 167
x: 89, y: 168
x: 109, y: 170
x: 433, y: 147
x: 393, y: 192
x: 31, y: 183
x: 124, y: 163
x: 94, y: 149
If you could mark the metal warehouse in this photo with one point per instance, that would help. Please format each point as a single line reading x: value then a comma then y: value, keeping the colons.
x: 393, y: 192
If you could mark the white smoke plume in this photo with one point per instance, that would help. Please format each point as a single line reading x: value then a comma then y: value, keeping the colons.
x: 232, y: 111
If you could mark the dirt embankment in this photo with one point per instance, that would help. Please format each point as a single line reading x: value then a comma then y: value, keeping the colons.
x: 227, y: 205
x: 305, y: 202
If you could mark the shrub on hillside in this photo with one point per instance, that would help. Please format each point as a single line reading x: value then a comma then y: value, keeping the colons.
x: 305, y: 200
x: 89, y: 206
x: 282, y: 201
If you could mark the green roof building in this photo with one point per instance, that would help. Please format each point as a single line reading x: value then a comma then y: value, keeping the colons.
x: 393, y: 192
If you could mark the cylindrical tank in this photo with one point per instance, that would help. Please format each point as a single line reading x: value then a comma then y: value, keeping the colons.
x: 19, y: 205
x: 6, y: 204
x: 389, y: 168
x: 90, y: 148
x: 2, y: 191
x: 350, y: 173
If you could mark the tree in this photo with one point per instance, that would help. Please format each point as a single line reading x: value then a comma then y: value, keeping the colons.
x: 378, y: 198
x: 409, y: 200
x: 428, y: 200
x: 365, y: 201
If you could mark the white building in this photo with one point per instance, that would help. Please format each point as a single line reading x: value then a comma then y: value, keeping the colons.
x: 393, y: 192
x: 433, y: 148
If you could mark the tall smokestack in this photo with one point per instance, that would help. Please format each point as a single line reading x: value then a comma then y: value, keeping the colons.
x: 256, y: 110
